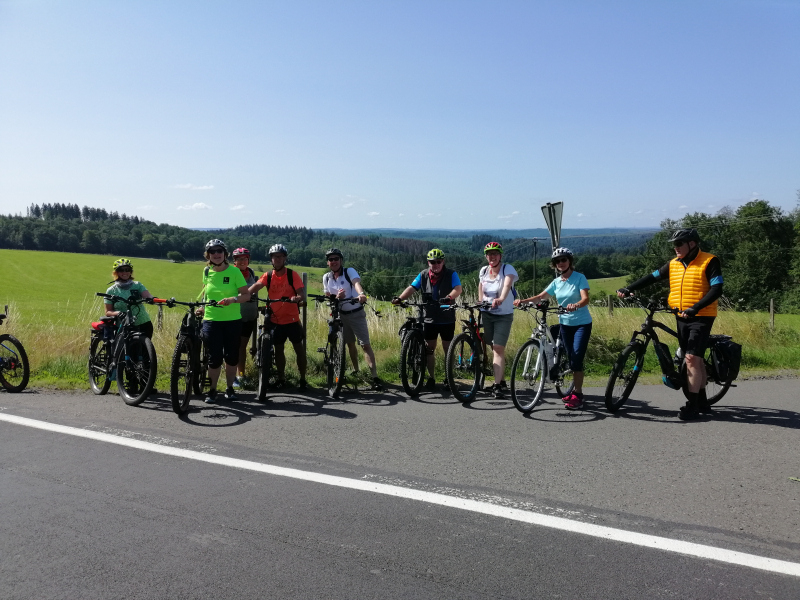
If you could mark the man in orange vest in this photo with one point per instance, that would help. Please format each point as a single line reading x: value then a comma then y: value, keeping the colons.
x: 695, y: 285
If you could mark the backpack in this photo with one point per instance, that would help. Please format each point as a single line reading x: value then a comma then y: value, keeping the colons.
x: 503, y: 274
x: 289, y: 277
x: 328, y: 276
x: 727, y: 358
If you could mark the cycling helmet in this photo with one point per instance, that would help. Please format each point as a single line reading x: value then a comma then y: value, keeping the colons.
x: 216, y: 243
x: 334, y: 252
x: 435, y: 254
x: 684, y: 235
x: 278, y: 248
x: 241, y: 252
x: 561, y: 251
x: 493, y: 246
x: 122, y: 262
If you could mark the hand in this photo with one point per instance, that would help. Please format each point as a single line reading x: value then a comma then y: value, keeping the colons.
x: 362, y: 298
x: 396, y: 300
x: 688, y: 313
x: 572, y: 307
x: 340, y: 294
x: 623, y: 292
x: 446, y: 300
x: 225, y: 301
x: 496, y: 302
x: 200, y: 311
x: 517, y: 302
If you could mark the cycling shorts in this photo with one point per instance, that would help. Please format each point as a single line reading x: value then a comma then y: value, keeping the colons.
x: 693, y: 334
x: 222, y: 339
x: 248, y: 327
x: 434, y: 330
x: 291, y: 331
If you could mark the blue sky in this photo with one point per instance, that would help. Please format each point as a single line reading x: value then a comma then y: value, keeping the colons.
x: 455, y: 114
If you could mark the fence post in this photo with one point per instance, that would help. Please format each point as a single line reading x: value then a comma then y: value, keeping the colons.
x: 610, y: 305
x: 772, y: 313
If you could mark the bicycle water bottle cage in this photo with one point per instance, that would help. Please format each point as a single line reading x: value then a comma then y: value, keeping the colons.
x: 671, y: 381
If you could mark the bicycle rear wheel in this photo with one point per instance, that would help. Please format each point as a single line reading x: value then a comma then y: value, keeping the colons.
x: 182, y: 375
x: 715, y: 388
x: 463, y: 366
x: 136, y: 369
x: 99, y: 365
x: 564, y: 381
x: 623, y: 376
x: 14, y: 367
x: 336, y: 365
x: 413, y: 363
x: 527, y: 376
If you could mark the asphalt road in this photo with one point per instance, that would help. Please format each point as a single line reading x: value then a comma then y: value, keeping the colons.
x: 84, y: 518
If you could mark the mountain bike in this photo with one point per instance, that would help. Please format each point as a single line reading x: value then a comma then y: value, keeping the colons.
x: 465, y: 363
x: 628, y: 365
x: 265, y: 353
x: 413, y: 349
x: 118, y: 351
x: 14, y: 367
x: 189, y: 368
x: 334, y: 354
x: 541, y: 359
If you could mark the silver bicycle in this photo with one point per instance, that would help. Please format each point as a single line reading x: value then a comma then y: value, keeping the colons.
x: 541, y: 359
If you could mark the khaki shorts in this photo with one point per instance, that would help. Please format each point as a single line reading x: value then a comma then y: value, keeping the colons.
x: 355, y: 327
x: 497, y: 328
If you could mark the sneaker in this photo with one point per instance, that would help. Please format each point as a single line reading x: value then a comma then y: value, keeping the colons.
x: 230, y: 394
x: 302, y: 385
x: 688, y: 412
x: 377, y: 384
x: 446, y: 385
x: 430, y: 385
x: 497, y: 388
x: 237, y: 383
x: 574, y: 403
x: 566, y: 398
x: 211, y: 397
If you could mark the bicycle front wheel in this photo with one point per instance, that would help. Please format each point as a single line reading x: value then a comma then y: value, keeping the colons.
x: 527, y: 376
x: 336, y: 365
x: 463, y: 365
x: 265, y: 366
x: 623, y: 376
x: 14, y: 367
x: 200, y: 380
x: 564, y: 380
x: 136, y: 369
x: 182, y: 374
x: 715, y: 387
x: 99, y: 365
x: 413, y: 363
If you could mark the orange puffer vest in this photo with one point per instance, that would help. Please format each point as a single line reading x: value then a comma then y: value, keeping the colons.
x: 688, y: 285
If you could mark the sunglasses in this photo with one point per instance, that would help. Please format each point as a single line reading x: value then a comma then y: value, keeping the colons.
x: 334, y: 259
x: 678, y: 244
x: 435, y: 262
x: 558, y: 261
x: 124, y: 270
x: 216, y: 251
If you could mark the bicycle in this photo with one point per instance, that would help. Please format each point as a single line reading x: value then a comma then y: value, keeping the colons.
x: 413, y: 349
x: 265, y: 356
x: 465, y: 363
x: 189, y: 368
x: 118, y: 351
x: 540, y: 359
x: 334, y: 353
x: 628, y: 365
x: 15, y: 369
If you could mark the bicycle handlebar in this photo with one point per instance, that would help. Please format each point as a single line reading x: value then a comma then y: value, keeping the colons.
x: 652, y: 304
x: 543, y: 307
x: 172, y: 302
x: 479, y: 305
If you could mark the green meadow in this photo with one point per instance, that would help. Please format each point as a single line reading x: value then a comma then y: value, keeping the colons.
x: 52, y: 302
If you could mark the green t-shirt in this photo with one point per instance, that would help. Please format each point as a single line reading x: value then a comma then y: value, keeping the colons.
x: 139, y: 312
x: 223, y: 284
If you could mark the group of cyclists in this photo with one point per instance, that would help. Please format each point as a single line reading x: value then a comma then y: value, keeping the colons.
x: 694, y: 277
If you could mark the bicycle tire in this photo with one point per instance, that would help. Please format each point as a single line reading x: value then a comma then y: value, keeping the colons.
x: 463, y: 367
x: 715, y: 389
x: 182, y: 375
x: 201, y: 382
x: 564, y: 383
x: 337, y: 361
x: 413, y: 363
x: 15, y: 370
x: 265, y: 366
x: 99, y: 365
x: 527, y: 377
x: 136, y: 369
x: 623, y: 376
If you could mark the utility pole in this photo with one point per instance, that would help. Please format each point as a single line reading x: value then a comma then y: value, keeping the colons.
x: 534, y: 267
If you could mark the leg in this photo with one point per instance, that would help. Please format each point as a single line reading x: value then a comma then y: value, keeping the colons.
x: 498, y: 362
x: 431, y: 344
x: 351, y: 348
x: 242, y: 355
x: 695, y: 372
x: 301, y: 358
x: 280, y: 360
x: 369, y: 358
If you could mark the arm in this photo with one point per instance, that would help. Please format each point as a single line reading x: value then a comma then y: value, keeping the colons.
x: 584, y: 301
x: 110, y: 312
x: 300, y: 295
x: 242, y: 297
x: 535, y: 298
x: 649, y: 279
x: 405, y: 294
x: 362, y: 297
x: 255, y: 287
x: 508, y: 281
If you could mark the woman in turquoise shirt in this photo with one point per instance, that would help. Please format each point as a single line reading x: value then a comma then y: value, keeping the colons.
x: 571, y: 290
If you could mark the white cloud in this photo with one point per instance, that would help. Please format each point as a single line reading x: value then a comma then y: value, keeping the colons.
x: 683, y: 206
x: 195, y: 206
x: 400, y: 215
x: 191, y: 186
x: 373, y: 214
x: 348, y: 205
x: 579, y: 215
x: 237, y: 207
x: 280, y: 210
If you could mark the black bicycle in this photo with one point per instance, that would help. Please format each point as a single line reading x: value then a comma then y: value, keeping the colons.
x: 119, y: 351
x: 14, y: 367
x: 265, y: 352
x: 334, y: 354
x: 189, y: 369
x: 628, y: 365
x: 465, y: 363
x: 413, y: 349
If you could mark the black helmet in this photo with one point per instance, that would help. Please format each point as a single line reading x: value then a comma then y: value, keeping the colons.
x: 334, y: 252
x: 684, y: 235
x: 215, y: 243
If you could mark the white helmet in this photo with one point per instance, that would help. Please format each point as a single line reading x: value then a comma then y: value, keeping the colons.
x: 278, y: 248
x: 561, y: 251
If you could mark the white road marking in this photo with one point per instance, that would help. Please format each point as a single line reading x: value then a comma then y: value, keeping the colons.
x: 609, y: 533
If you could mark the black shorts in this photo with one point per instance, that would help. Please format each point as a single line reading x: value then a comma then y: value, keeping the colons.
x: 693, y: 334
x: 248, y: 327
x: 291, y: 331
x: 222, y: 339
x: 434, y: 330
